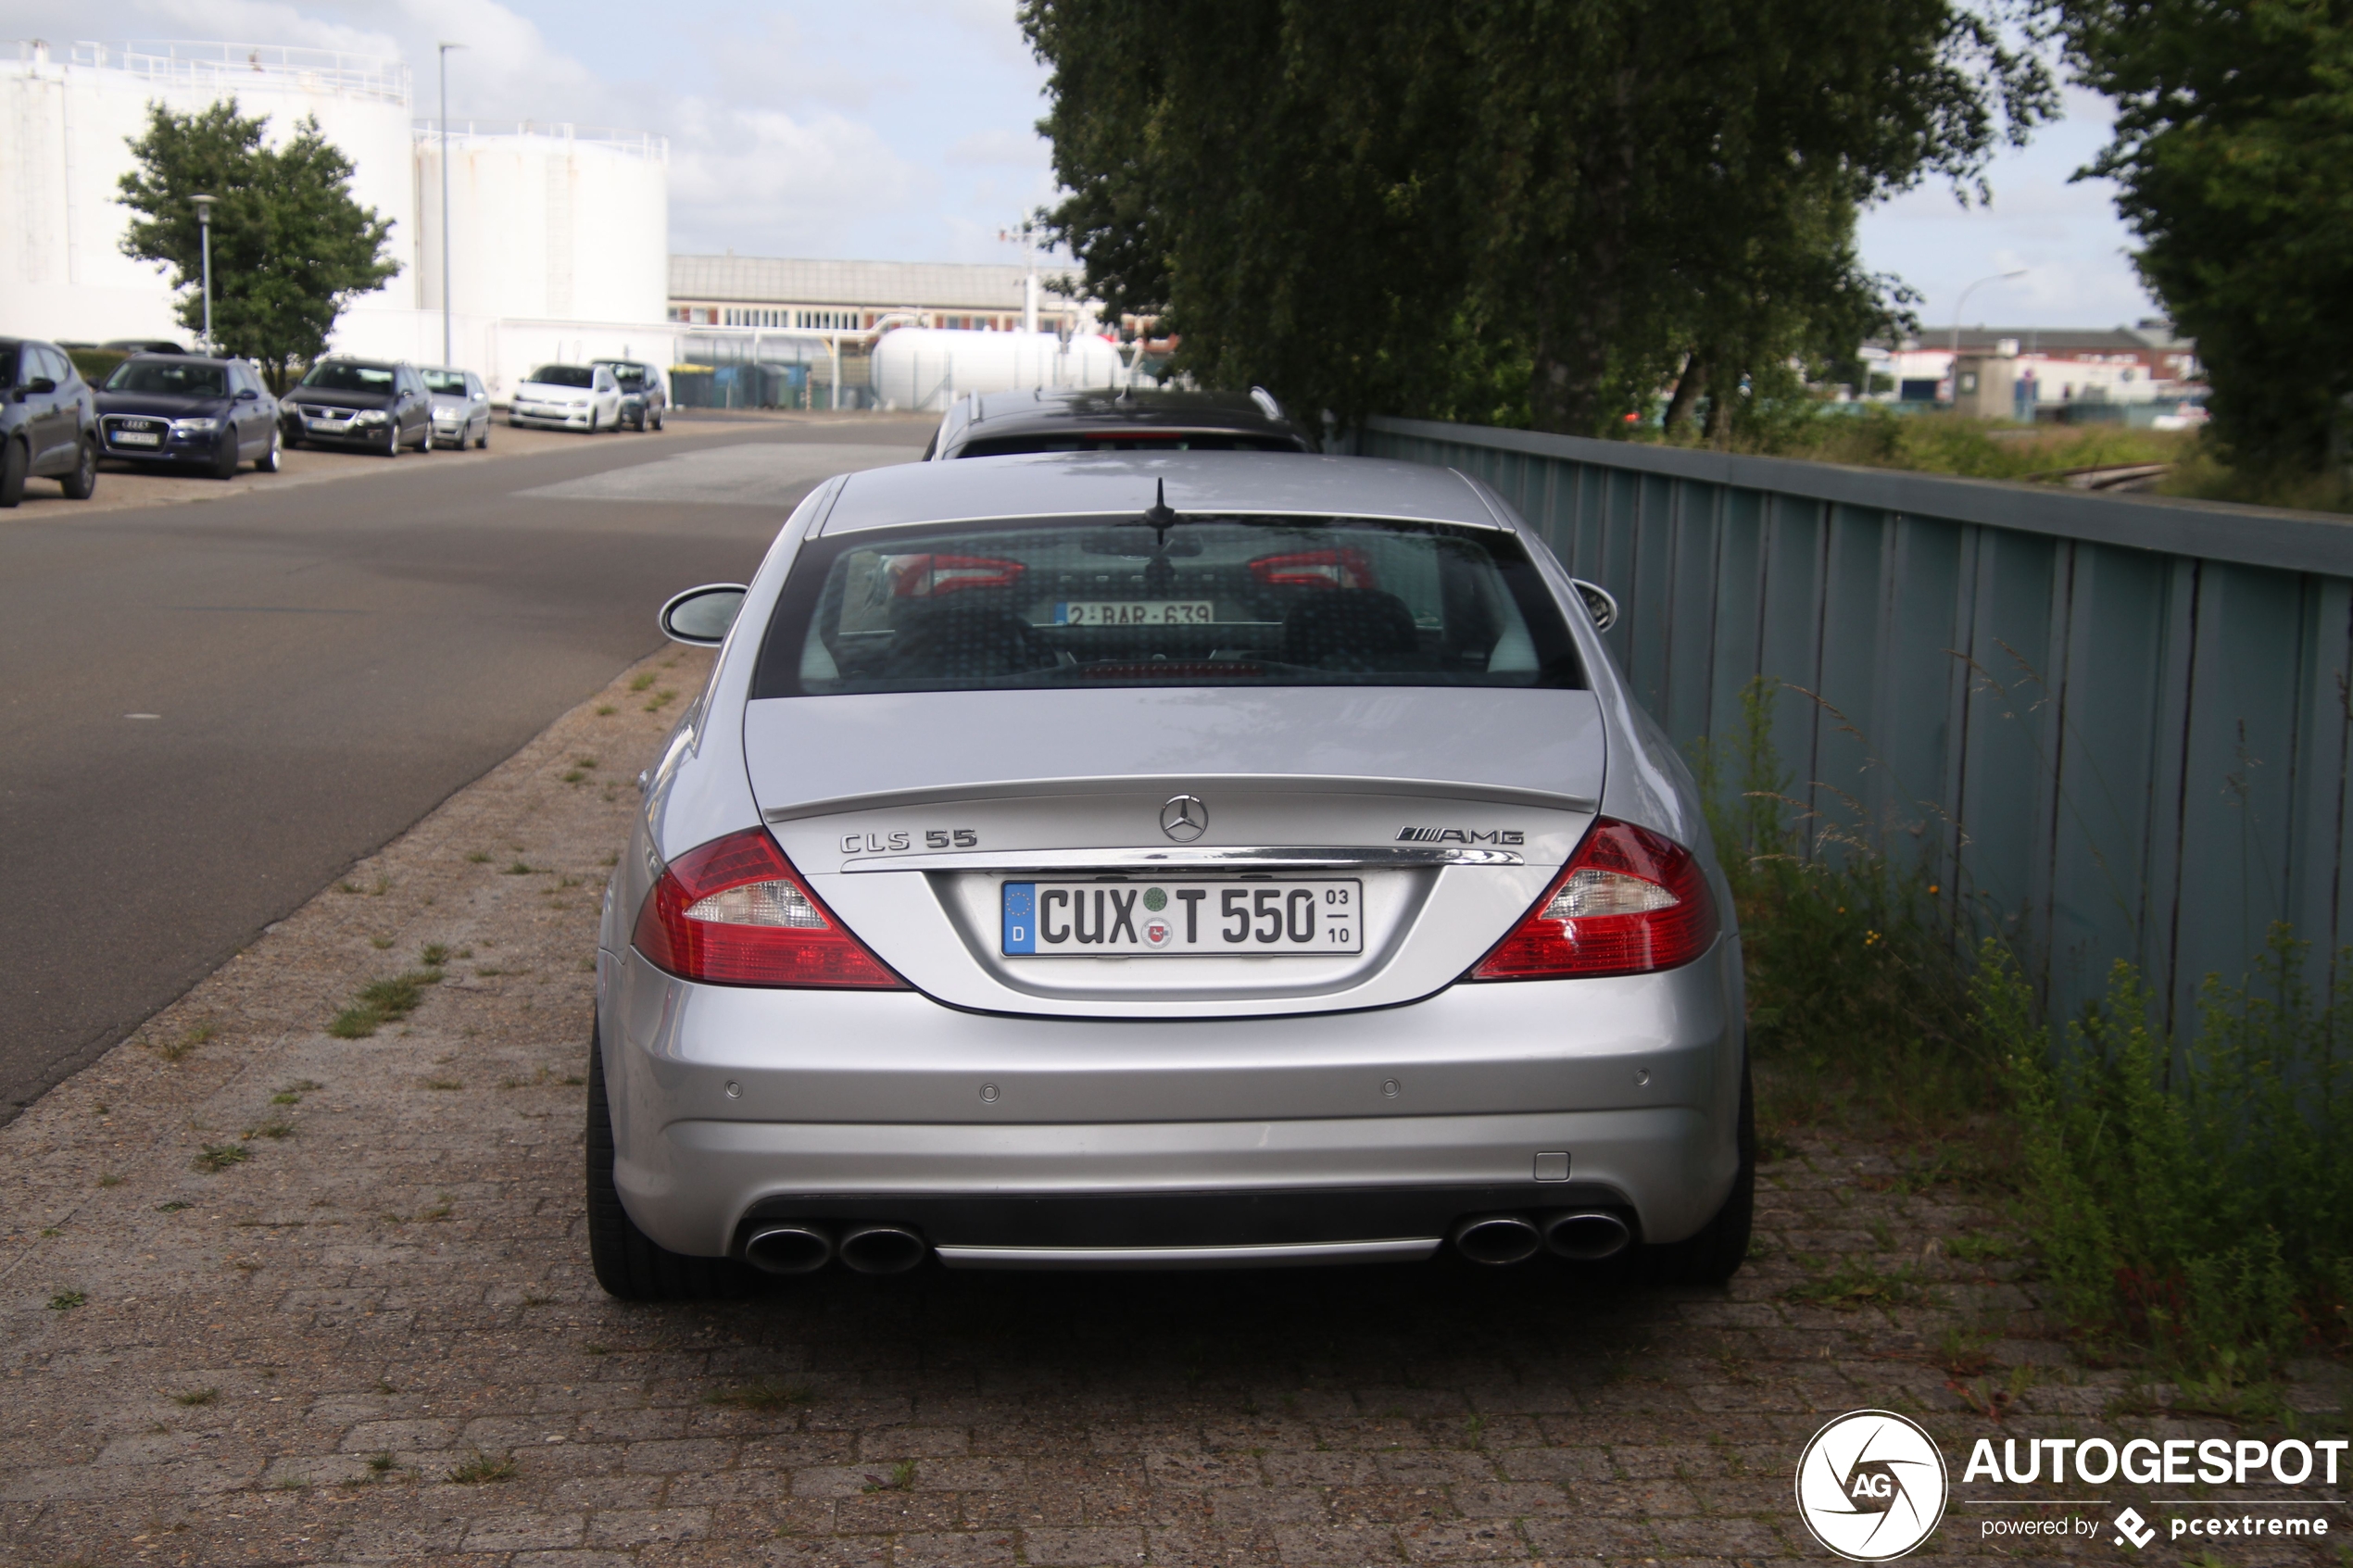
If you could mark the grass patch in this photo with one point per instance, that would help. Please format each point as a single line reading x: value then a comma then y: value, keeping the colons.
x: 188, y: 1039
x: 482, y: 1468
x: 639, y: 682
x: 606, y: 710
x: 196, y: 1397
x: 901, y: 1477
x: 761, y: 1396
x: 67, y: 1300
x: 273, y: 1129
x: 109, y: 1180
x: 445, y: 1084
x: 174, y: 1206
x: 478, y: 857
x: 522, y: 867
x: 662, y: 699
x: 383, y: 1001
x: 1856, y: 1284
x: 217, y: 1157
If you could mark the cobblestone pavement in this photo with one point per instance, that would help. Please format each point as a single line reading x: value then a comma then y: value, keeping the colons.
x: 367, y: 1333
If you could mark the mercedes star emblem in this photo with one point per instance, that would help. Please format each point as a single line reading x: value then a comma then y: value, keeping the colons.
x: 1184, y: 818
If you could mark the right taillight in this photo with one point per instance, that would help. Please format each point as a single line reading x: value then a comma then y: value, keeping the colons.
x: 736, y: 913
x: 1627, y: 903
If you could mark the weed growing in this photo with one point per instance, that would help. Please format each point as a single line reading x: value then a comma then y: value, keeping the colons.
x: 67, y: 1300
x: 190, y: 1038
x: 195, y: 1397
x: 482, y: 1468
x: 761, y: 1396
x: 1858, y: 996
x: 2193, y: 1197
x: 217, y: 1157
x: 383, y: 1001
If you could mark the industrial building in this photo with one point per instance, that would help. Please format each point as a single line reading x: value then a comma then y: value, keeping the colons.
x: 559, y: 235
x: 789, y: 295
x: 2045, y: 367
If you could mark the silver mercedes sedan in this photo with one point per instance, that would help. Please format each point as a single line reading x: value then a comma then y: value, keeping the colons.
x: 1198, y: 861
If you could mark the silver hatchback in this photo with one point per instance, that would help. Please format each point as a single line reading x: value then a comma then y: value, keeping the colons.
x: 1210, y: 859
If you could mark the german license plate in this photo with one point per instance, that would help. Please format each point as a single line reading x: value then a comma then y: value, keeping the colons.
x: 1182, y: 919
x: 1136, y: 612
x: 328, y: 424
x: 137, y: 438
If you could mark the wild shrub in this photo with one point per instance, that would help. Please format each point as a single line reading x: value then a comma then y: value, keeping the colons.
x: 1856, y: 988
x: 2198, y: 1200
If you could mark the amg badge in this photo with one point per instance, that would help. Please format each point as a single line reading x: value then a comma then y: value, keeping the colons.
x: 1461, y: 835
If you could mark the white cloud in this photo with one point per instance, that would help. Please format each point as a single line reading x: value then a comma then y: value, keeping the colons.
x: 999, y: 145
x: 751, y: 179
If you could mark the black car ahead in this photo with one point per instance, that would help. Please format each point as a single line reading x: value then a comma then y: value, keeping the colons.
x: 189, y: 411
x: 48, y: 420
x: 996, y: 424
x: 644, y: 400
x: 378, y: 404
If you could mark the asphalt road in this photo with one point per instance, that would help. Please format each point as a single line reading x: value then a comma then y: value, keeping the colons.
x: 210, y: 712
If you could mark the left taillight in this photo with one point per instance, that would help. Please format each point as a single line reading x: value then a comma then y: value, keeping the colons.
x: 1628, y: 902
x: 735, y: 912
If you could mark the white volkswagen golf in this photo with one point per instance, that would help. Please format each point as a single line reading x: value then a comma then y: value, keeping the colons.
x: 1214, y: 860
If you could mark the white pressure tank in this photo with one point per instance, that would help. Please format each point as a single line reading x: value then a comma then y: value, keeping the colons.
x: 925, y: 369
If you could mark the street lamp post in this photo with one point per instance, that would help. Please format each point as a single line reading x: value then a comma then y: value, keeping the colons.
x: 447, y: 353
x: 204, y: 232
x: 1989, y: 278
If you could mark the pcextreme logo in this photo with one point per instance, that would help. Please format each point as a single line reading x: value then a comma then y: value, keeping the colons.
x: 1872, y: 1485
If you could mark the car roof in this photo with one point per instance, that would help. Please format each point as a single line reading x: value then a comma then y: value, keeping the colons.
x: 1110, y: 484
x: 187, y: 359
x: 1046, y: 410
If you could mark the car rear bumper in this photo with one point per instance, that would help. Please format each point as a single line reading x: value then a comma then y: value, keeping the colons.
x: 1003, y: 1134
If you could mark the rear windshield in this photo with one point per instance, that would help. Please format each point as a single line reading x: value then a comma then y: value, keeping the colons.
x: 1127, y: 440
x: 149, y: 375
x: 450, y: 381
x: 349, y: 377
x: 564, y: 375
x: 1207, y: 601
x: 632, y: 376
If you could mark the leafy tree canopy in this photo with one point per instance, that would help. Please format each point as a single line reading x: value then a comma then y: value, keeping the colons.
x: 1538, y: 208
x: 289, y: 247
x: 2233, y: 156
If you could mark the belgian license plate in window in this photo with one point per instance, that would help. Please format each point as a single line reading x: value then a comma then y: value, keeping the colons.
x: 1182, y: 919
x: 1136, y: 612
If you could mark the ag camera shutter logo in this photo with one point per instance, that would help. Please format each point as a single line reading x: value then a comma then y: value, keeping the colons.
x: 1872, y: 1485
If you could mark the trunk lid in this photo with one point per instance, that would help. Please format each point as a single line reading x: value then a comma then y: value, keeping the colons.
x: 1446, y: 810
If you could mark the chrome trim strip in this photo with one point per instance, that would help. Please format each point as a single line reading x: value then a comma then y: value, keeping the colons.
x: 1341, y: 856
x: 1280, y: 1255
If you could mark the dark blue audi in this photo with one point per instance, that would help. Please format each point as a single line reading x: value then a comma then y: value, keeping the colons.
x: 212, y: 415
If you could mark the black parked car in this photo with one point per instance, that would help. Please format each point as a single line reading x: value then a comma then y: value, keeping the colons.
x: 1062, y: 420
x: 644, y: 400
x: 377, y: 404
x: 48, y: 420
x: 194, y: 412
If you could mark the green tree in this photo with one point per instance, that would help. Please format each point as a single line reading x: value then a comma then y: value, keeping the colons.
x: 1413, y: 208
x: 2233, y: 156
x: 289, y: 247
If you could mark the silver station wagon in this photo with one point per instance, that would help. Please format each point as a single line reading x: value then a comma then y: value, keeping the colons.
x: 1208, y: 860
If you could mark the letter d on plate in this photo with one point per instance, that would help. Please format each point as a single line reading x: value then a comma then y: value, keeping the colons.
x: 1021, y: 917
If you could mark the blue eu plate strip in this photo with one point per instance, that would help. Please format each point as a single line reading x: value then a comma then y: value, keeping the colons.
x: 1021, y: 917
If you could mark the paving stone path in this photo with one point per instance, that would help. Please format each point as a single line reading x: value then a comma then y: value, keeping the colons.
x: 273, y: 1296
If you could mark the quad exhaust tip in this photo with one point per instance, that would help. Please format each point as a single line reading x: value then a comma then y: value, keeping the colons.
x: 1586, y: 1235
x: 881, y: 1249
x: 789, y: 1248
x: 1497, y: 1239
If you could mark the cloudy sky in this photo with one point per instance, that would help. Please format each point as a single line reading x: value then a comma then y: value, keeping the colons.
x: 903, y: 130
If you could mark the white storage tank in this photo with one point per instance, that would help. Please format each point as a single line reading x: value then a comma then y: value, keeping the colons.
x: 66, y: 115
x: 925, y: 369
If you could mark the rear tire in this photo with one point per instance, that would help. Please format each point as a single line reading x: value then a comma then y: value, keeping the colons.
x: 268, y: 461
x: 14, y: 462
x: 630, y: 1264
x: 80, y: 484
x: 1717, y: 1252
x: 481, y: 441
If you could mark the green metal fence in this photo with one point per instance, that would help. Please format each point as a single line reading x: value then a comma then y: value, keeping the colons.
x: 2124, y: 721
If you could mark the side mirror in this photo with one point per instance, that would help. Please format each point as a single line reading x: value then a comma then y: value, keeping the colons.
x: 248, y: 395
x: 40, y: 384
x: 1599, y: 603
x: 700, y: 617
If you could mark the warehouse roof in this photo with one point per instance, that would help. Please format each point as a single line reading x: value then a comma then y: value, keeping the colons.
x: 927, y: 284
